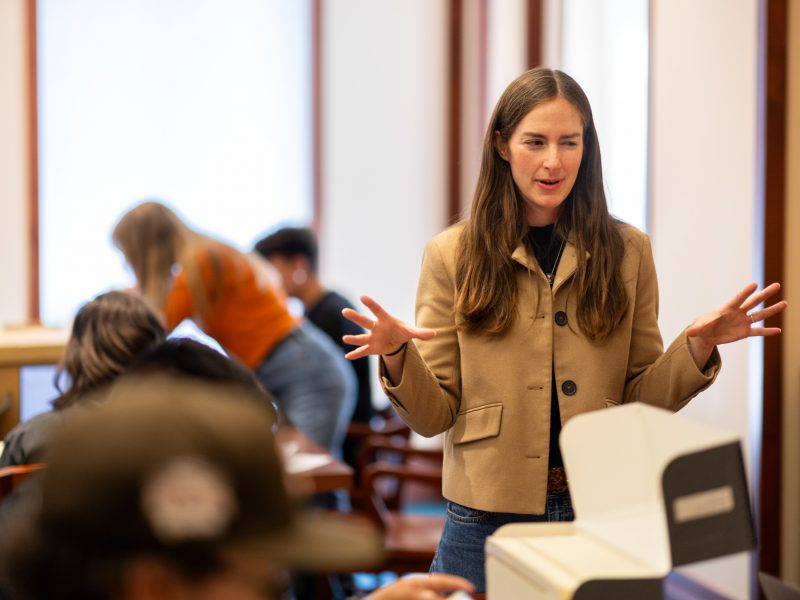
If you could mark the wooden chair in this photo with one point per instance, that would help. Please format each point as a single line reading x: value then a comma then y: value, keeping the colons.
x: 388, y: 425
x: 387, y: 422
x: 410, y: 539
x: 13, y: 477
x: 397, y: 450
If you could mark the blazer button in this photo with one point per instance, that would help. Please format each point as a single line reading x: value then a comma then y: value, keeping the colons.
x: 561, y: 318
x: 569, y: 388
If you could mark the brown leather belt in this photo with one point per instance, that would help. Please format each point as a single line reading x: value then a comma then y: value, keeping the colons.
x: 556, y: 480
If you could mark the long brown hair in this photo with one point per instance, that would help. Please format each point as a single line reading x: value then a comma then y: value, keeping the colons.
x: 486, y: 275
x: 108, y: 334
x: 154, y: 240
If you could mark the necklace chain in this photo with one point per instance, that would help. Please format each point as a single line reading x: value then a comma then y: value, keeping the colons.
x: 552, y: 272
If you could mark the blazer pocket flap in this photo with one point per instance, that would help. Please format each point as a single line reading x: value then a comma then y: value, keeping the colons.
x: 477, y: 423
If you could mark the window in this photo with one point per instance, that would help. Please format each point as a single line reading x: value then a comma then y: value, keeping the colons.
x: 204, y: 104
x: 604, y: 46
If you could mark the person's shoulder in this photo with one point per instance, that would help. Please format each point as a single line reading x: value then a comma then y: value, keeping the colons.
x: 448, y: 239
x: 25, y: 443
x: 632, y: 235
x: 37, y: 421
x: 329, y: 303
x: 334, y: 298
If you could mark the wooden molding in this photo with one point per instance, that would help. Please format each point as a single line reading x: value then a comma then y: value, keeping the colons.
x: 33, y: 164
x: 774, y: 144
x: 454, y: 111
x: 535, y: 37
x: 316, y: 116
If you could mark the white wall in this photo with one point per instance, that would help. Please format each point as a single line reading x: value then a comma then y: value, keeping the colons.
x: 384, y: 171
x: 703, y: 201
x: 507, y: 51
x: 13, y: 163
x: 604, y: 47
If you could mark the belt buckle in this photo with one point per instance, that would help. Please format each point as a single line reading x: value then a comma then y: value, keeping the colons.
x: 556, y: 480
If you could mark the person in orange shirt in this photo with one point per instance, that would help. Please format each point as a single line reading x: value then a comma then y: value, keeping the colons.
x: 231, y: 297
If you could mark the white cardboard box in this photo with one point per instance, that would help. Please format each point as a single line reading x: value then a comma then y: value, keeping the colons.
x: 651, y: 490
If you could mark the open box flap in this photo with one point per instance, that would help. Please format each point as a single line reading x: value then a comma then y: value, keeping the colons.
x: 563, y: 557
x: 615, y: 461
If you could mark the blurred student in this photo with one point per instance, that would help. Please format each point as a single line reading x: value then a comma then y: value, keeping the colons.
x: 187, y: 357
x: 173, y: 491
x: 230, y: 296
x: 108, y: 334
x: 293, y: 251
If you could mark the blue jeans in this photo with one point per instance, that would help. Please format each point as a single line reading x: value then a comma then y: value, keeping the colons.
x: 313, y: 386
x: 460, y: 550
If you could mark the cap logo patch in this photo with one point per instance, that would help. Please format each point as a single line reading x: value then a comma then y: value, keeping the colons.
x: 188, y: 499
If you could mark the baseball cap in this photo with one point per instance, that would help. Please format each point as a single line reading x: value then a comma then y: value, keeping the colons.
x: 166, y: 463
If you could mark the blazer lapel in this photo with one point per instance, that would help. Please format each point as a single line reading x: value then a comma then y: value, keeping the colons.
x: 566, y: 268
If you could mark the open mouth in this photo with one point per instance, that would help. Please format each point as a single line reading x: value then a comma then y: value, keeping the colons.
x: 548, y: 183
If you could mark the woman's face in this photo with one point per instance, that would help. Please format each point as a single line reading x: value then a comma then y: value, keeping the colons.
x: 544, y: 152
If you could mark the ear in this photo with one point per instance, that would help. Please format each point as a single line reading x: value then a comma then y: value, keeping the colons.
x: 298, y: 261
x: 501, y: 146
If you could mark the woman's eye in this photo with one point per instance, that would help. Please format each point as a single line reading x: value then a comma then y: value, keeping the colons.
x: 534, y: 143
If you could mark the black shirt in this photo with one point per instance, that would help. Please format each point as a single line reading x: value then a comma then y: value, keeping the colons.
x: 546, y: 247
x: 327, y: 315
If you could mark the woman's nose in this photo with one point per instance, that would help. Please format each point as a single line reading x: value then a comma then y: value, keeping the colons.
x: 553, y: 159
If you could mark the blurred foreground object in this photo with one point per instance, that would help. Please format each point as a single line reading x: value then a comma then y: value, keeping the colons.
x: 174, y: 483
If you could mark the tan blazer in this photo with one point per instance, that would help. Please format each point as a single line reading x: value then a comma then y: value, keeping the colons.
x: 491, y: 395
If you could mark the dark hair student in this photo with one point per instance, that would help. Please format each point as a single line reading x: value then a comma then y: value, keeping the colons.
x: 108, y: 334
x: 538, y: 307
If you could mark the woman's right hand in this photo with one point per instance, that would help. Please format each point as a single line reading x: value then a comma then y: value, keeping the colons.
x: 385, y: 334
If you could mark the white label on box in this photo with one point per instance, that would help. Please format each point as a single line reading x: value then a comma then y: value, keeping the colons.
x: 704, y: 504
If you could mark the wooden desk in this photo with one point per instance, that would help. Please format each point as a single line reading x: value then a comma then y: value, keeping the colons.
x: 21, y: 346
x: 325, y: 473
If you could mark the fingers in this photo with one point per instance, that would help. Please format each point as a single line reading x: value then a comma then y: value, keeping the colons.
x: 765, y: 331
x: 357, y: 318
x: 358, y: 353
x: 445, y: 583
x: 739, y: 299
x: 755, y: 299
x: 356, y: 340
x: 770, y: 311
x: 376, y: 308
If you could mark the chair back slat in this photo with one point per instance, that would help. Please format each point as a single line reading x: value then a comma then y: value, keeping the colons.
x: 13, y: 477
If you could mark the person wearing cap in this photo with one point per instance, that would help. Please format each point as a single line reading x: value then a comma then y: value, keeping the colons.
x: 173, y: 488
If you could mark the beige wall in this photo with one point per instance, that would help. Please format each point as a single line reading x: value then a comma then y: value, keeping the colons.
x: 790, y: 566
x: 13, y: 163
x: 384, y: 144
x: 703, y: 175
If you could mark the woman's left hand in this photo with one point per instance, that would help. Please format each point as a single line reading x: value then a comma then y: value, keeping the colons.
x: 734, y: 321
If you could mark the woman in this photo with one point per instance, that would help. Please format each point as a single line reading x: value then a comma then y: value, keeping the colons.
x: 230, y: 296
x: 543, y: 306
x: 108, y: 334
